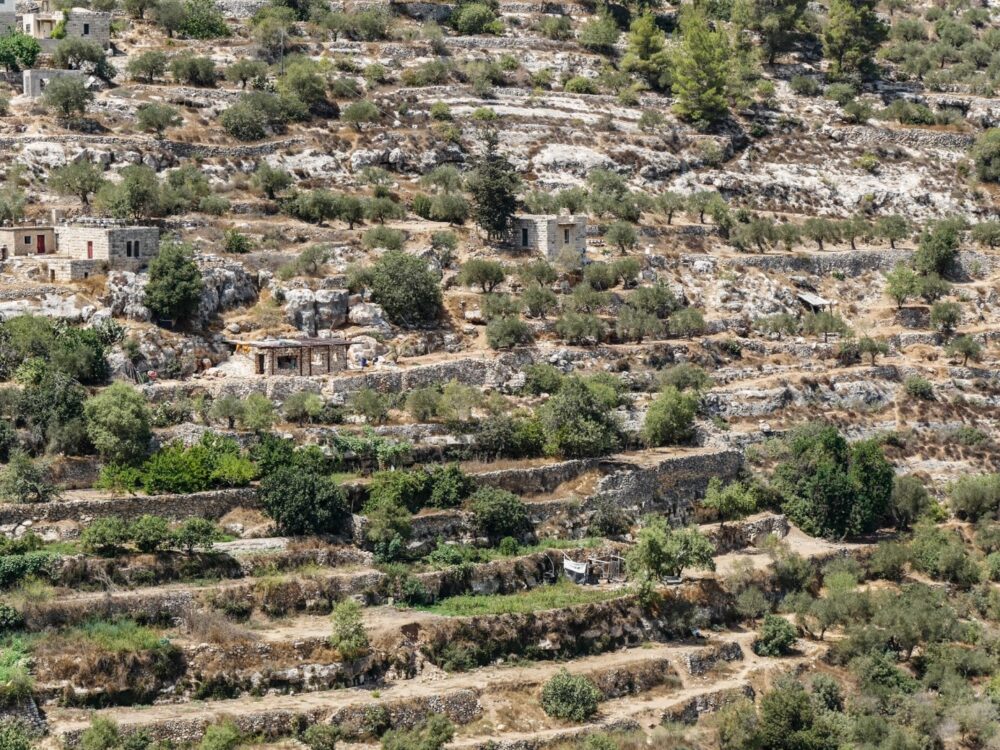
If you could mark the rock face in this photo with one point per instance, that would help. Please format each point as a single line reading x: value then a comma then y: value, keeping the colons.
x: 226, y: 285
x: 124, y: 295
x: 369, y: 315
x: 312, y: 311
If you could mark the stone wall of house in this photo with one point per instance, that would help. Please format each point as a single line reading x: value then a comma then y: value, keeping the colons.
x: 109, y: 243
x: 90, y: 25
x: 33, y: 81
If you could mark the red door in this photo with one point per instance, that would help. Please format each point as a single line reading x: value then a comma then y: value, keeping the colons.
x: 40, y: 244
x: 90, y: 249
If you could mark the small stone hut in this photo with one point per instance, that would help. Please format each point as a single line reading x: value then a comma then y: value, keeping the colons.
x: 306, y: 357
x: 550, y: 234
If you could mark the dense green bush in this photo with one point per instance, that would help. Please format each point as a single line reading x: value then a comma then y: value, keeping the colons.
x: 302, y: 502
x: 16, y: 567
x: 976, y: 496
x: 567, y: 696
x: 214, y: 461
x: 670, y: 419
x: 406, y: 289
x: 776, y: 637
x: 499, y: 513
x: 577, y: 421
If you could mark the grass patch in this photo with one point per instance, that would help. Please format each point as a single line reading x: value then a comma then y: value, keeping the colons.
x: 561, y: 594
x: 121, y: 637
x: 16, y: 681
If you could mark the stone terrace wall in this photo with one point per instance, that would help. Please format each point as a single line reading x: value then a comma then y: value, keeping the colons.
x: 461, y: 706
x: 857, y: 262
x: 671, y: 486
x: 213, y: 504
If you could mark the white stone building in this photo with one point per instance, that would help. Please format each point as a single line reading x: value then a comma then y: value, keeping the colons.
x: 75, y: 23
x: 550, y: 234
x: 71, y: 252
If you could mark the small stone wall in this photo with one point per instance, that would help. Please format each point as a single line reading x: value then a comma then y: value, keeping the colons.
x: 461, y: 706
x: 700, y: 662
x: 705, y: 703
x: 213, y: 505
x: 731, y: 537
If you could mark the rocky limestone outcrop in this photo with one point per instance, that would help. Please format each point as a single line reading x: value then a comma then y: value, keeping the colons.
x: 312, y: 311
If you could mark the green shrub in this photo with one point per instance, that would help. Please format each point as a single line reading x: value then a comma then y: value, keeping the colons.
x: 572, y: 697
x: 507, y: 332
x: 321, y: 737
x: 149, y: 533
x: 222, y: 736
x: 542, y: 378
x: 670, y: 419
x: 776, y: 637
x: 16, y: 567
x: 411, y: 489
x: 302, y: 502
x: 499, y: 513
x: 102, y: 734
x: 449, y: 486
x: 918, y: 387
x: 973, y: 497
x: 349, y: 636
x: 105, y: 536
x: 476, y: 18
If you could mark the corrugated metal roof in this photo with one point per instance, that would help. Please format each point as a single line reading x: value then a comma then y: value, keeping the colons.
x: 814, y: 300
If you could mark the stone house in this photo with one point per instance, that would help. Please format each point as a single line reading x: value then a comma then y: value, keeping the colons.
x: 75, y: 23
x: 306, y: 356
x: 550, y: 234
x: 20, y: 241
x: 109, y: 243
x: 74, y: 251
x: 34, y: 81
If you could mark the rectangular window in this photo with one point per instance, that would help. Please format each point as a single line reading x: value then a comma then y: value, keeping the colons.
x: 565, y: 236
x: 86, y: 29
x: 524, y: 236
x: 128, y: 248
x: 27, y: 239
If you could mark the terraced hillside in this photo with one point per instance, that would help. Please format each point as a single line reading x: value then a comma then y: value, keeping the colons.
x: 560, y: 375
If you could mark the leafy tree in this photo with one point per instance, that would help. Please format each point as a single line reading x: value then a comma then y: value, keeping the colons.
x: 664, y: 551
x: 986, y: 155
x: 175, y: 284
x: 778, y: 324
x: 405, y: 288
x: 820, y: 230
x: 901, y: 284
x: 832, y: 488
x: 646, y: 57
x: 18, y: 51
x: 321, y: 737
x: 203, y: 20
x: 75, y: 53
x: 349, y: 636
x: 81, y: 179
x: 870, y: 347
x: 686, y: 322
x: 577, y: 422
x: 147, y: 66
x: 102, y: 734
x: 136, y: 197
x: 118, y: 424
x: 701, y: 71
x: 572, y: 697
x: 360, y: 112
x: 487, y: 274
x: 945, y: 316
x: 105, y: 536
x: 227, y: 409
x: 776, y: 637
x: 67, y: 95
x: 636, y: 325
x: 622, y: 235
x: 670, y: 419
x: 258, y: 413
x: 302, y: 407
x: 25, y: 481
x: 302, y: 502
x: 734, y: 500
x: 195, y: 533
x: 908, y: 501
x: 494, y: 185
x: 388, y: 531
x: 370, y: 404
x: 508, y: 331
x: 824, y: 323
x: 965, y: 347
x: 776, y: 22
x: 852, y: 35
x: 149, y: 533
x: 938, y: 247
x: 893, y: 228
x: 975, y: 496
x: 600, y: 34
x: 244, y: 70
x: 137, y: 8
x: 193, y: 69
x: 156, y: 118
x: 499, y: 513
x: 170, y: 16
